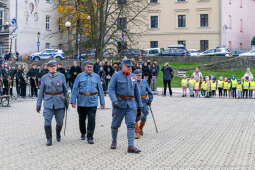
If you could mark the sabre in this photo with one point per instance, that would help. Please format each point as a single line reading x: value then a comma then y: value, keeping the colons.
x: 154, y: 120
x: 65, y: 121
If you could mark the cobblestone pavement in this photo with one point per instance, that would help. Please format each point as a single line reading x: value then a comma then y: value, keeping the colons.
x: 194, y: 134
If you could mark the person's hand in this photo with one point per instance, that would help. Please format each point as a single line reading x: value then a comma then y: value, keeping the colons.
x: 116, y: 105
x: 139, y: 111
x: 102, y: 107
x: 38, y: 109
x: 73, y: 105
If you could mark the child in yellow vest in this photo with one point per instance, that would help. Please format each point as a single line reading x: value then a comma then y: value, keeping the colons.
x: 252, y: 88
x: 197, y: 87
x: 213, y: 86
x: 184, y: 86
x: 191, y: 86
x: 246, y: 85
x: 225, y: 87
x: 233, y: 86
x: 229, y: 88
x: 203, y: 87
x: 220, y: 86
x: 239, y: 89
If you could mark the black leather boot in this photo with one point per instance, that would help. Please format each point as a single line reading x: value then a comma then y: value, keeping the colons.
x: 48, y: 133
x: 58, y: 132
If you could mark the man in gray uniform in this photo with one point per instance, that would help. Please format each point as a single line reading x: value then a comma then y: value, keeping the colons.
x: 126, y: 102
x: 54, y: 93
x: 86, y: 89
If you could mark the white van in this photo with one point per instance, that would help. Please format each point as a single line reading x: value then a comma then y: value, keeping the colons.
x: 152, y: 52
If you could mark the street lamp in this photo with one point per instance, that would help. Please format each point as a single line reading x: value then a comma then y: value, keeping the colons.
x: 68, y: 25
x: 38, y: 41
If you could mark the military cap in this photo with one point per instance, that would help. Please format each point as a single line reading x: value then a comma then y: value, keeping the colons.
x: 52, y: 62
x: 137, y: 71
x: 88, y: 62
x: 127, y: 62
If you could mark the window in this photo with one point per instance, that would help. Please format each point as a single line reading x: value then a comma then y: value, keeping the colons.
x: 180, y: 0
x: 1, y: 17
x: 230, y: 22
x: 154, y: 21
x: 154, y: 44
x: 241, y: 25
x: 181, y: 21
x: 182, y: 42
x: 153, y: 1
x: 47, y: 23
x: 203, y: 20
x: 241, y: 45
x: 241, y: 3
x: 122, y: 23
x: 47, y: 45
x: 230, y: 44
x: 48, y: 1
x: 60, y: 46
x: 204, y: 45
x: 121, y: 2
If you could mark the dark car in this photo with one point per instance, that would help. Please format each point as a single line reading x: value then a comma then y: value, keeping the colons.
x: 131, y: 53
x: 236, y: 53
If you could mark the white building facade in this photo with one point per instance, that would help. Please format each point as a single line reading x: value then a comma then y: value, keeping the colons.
x: 36, y: 20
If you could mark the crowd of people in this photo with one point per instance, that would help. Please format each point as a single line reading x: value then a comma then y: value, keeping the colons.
x: 22, y: 78
x: 224, y: 87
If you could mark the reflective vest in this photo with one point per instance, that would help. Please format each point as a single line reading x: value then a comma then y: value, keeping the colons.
x: 213, y: 86
x: 204, y: 85
x: 252, y: 85
x: 191, y: 83
x: 184, y: 82
x: 196, y: 86
x: 234, y: 83
x: 239, y: 87
x: 220, y: 84
x: 226, y: 85
x: 246, y: 85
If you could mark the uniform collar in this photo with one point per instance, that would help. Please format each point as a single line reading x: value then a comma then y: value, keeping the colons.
x: 125, y: 73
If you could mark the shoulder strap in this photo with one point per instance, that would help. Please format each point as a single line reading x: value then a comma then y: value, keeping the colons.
x: 52, y: 83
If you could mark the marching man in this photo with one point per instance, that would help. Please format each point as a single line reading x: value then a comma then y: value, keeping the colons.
x: 54, y: 93
x: 147, y: 97
x: 126, y: 102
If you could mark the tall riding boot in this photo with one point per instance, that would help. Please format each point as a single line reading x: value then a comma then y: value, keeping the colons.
x: 142, y: 123
x: 48, y: 135
x: 58, y: 132
x: 137, y: 131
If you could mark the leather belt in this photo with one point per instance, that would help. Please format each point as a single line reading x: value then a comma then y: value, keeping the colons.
x: 54, y: 93
x: 125, y: 97
x: 143, y: 97
x: 87, y: 94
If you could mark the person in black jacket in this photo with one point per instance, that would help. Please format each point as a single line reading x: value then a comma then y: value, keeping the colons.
x: 108, y: 72
x: 61, y: 69
x: 146, y: 72
x: 74, y: 71
x: 102, y: 76
x: 33, y: 78
x: 167, y: 77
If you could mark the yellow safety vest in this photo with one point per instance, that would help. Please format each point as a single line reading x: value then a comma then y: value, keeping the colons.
x: 191, y: 83
x: 234, y: 83
x: 226, y: 85
x: 204, y: 85
x: 196, y: 87
x: 252, y: 85
x: 184, y: 82
x: 213, y: 86
x: 239, y: 87
x: 246, y: 85
x: 220, y: 84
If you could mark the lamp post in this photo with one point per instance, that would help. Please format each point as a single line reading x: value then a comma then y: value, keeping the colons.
x: 68, y: 26
x: 38, y: 41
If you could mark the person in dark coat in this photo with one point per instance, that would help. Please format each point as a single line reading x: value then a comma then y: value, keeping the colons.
x: 108, y: 72
x: 146, y: 73
x: 74, y: 71
x: 33, y: 78
x: 167, y: 77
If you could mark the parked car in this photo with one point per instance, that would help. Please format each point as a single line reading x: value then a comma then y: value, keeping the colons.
x: 175, y: 52
x: 153, y: 52
x: 131, y: 53
x: 194, y: 52
x: 177, y: 46
x: 46, y: 54
x: 216, y: 52
x: 237, y: 52
x: 250, y: 53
